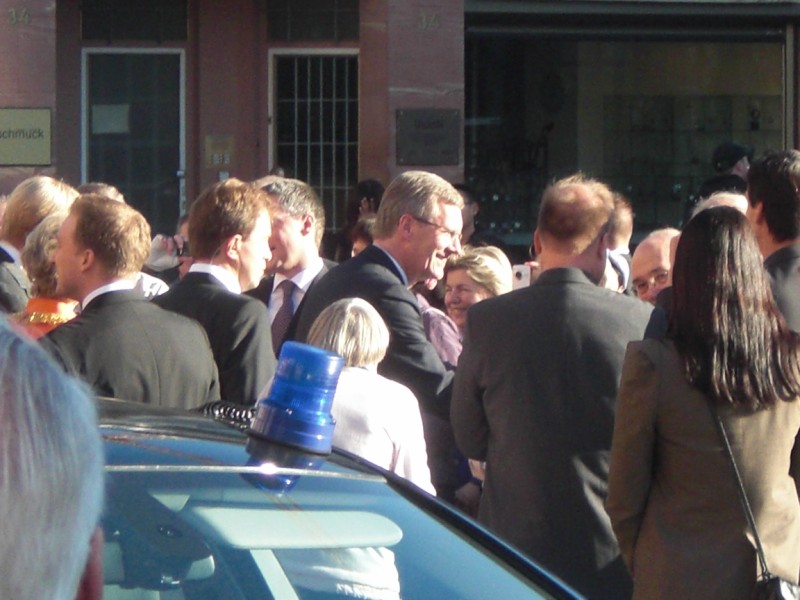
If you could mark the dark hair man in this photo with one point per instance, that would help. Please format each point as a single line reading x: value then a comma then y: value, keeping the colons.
x: 121, y: 344
x: 229, y: 232
x: 298, y: 223
x: 534, y: 394
x: 774, y: 211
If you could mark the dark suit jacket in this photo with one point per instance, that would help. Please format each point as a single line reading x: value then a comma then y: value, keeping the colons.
x: 410, y: 359
x: 237, y: 327
x: 264, y: 291
x: 125, y: 347
x: 534, y: 396
x: 14, y: 284
x: 783, y: 267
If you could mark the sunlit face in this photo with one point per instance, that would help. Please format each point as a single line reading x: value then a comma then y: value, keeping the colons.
x: 461, y: 292
x: 651, y: 269
x: 434, y: 241
x: 67, y: 259
x: 287, y: 243
x: 254, y: 253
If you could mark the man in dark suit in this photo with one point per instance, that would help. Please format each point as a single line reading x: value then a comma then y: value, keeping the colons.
x: 418, y: 226
x: 30, y: 202
x: 229, y: 232
x: 774, y: 210
x: 121, y: 344
x: 298, y: 223
x: 535, y: 392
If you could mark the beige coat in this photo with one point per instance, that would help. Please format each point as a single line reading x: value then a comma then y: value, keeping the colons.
x: 672, y: 495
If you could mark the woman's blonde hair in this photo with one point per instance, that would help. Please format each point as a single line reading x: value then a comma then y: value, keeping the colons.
x: 37, y: 256
x: 352, y: 328
x: 487, y: 266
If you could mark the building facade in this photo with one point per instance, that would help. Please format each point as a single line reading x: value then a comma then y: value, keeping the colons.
x: 163, y: 97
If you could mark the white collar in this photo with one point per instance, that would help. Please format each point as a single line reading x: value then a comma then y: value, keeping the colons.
x: 223, y: 275
x: 12, y: 251
x: 114, y: 286
x: 304, y: 278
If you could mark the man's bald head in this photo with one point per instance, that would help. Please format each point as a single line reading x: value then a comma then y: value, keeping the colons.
x: 651, y: 265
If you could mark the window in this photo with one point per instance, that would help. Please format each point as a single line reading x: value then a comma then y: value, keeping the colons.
x: 146, y: 20
x: 312, y: 20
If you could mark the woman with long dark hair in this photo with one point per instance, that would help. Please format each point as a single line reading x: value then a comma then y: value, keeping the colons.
x: 673, y: 498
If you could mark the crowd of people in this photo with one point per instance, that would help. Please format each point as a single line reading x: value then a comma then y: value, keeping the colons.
x: 574, y: 417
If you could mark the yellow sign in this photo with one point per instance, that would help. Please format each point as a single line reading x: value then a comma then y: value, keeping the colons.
x: 219, y: 151
x: 25, y: 136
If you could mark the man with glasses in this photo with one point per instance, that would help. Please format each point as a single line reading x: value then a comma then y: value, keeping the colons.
x: 651, y: 264
x: 418, y: 225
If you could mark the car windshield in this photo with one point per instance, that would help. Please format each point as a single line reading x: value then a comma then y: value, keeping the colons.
x: 198, y: 532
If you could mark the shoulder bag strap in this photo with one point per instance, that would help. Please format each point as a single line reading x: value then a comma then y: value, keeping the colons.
x: 765, y: 573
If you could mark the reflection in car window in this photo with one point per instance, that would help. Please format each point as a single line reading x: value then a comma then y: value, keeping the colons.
x: 196, y: 534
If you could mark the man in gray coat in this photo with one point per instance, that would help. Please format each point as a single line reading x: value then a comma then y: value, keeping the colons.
x: 535, y: 391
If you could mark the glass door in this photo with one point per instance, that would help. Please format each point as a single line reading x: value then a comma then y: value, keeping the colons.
x: 133, y: 129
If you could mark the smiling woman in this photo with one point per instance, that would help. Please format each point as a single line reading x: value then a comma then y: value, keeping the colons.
x: 476, y: 274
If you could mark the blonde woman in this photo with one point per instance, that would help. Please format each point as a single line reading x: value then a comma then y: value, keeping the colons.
x: 45, y: 311
x: 478, y: 273
x: 376, y: 418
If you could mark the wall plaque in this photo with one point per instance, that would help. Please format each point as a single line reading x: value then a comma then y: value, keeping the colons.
x: 428, y: 137
x: 25, y: 137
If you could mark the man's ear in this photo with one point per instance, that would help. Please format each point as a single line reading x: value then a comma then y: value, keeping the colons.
x: 307, y: 224
x: 91, y: 583
x: 602, y: 245
x: 232, y: 246
x: 406, y: 226
x: 537, y: 243
x: 757, y: 212
x: 87, y: 259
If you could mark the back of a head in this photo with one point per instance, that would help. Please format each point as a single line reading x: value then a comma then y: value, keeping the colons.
x: 731, y: 199
x: 574, y: 212
x: 774, y: 181
x: 296, y: 198
x: 416, y: 193
x: 620, y: 224
x: 101, y: 189
x: 117, y: 234
x: 723, y: 313
x: 51, y: 474
x: 221, y: 211
x: 352, y: 328
x: 487, y: 266
x: 37, y: 256
x: 30, y: 202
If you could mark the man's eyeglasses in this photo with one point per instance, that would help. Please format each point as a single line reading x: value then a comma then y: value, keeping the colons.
x: 453, y: 235
x: 658, y: 277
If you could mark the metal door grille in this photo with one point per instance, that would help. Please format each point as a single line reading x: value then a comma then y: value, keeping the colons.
x: 316, y: 125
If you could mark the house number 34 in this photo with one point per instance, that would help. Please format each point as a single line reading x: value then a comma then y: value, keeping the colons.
x: 18, y: 16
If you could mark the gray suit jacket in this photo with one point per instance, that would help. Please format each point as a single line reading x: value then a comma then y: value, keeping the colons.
x: 14, y: 285
x: 534, y: 396
x: 783, y: 267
